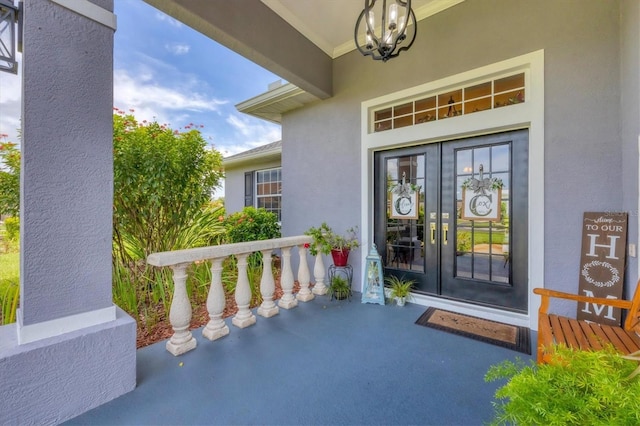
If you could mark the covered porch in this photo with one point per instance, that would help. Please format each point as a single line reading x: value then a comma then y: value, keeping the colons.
x: 323, y: 362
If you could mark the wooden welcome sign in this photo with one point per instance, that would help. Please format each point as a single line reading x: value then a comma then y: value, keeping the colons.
x: 602, y: 262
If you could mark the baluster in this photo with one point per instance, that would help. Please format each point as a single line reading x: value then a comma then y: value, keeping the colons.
x: 180, y: 314
x: 319, y: 287
x: 267, y: 287
x: 244, y: 317
x: 216, y: 328
x: 287, y: 301
x: 304, y: 295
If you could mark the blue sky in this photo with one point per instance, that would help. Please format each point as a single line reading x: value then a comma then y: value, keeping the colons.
x: 166, y: 71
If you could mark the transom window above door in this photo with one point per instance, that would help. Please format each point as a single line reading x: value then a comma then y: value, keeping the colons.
x: 467, y: 99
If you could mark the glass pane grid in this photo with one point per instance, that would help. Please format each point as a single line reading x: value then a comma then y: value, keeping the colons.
x: 488, y: 95
x: 482, y: 246
x: 269, y: 191
x: 404, y: 237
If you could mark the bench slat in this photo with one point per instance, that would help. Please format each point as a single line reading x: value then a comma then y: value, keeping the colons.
x: 594, y: 342
x: 624, y: 336
x: 568, y: 333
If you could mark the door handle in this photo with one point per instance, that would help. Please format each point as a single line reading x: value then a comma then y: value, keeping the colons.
x: 445, y: 233
x: 432, y: 228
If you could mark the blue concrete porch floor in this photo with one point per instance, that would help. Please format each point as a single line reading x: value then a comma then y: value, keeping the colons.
x: 321, y: 363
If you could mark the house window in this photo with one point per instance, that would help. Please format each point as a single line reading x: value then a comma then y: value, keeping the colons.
x: 268, y: 190
x: 464, y: 100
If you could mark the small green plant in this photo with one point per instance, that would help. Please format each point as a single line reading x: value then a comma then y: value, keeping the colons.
x: 12, y: 228
x: 9, y: 299
x: 399, y: 288
x: 325, y: 240
x: 339, y: 288
x: 463, y: 242
x: 575, y: 388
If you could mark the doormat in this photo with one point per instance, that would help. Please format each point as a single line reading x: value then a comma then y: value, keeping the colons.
x: 496, y: 333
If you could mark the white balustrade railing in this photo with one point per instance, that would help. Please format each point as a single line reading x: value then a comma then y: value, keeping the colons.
x: 179, y: 260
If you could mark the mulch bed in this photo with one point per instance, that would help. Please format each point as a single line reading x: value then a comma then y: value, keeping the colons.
x: 162, y: 330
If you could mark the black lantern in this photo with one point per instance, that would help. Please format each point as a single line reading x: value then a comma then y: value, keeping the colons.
x: 393, y: 32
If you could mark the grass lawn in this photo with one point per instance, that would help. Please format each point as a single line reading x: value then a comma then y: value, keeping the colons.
x: 9, y: 280
x: 9, y: 269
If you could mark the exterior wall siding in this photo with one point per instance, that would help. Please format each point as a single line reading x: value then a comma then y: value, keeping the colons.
x: 583, y: 153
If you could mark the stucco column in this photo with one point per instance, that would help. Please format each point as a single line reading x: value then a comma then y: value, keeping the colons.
x: 71, y: 348
x: 67, y: 170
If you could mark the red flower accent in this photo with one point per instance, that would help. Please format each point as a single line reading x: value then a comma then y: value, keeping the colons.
x: 306, y: 245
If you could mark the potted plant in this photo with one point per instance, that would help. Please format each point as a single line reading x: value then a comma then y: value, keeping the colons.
x: 339, y: 245
x: 399, y: 288
x: 339, y: 288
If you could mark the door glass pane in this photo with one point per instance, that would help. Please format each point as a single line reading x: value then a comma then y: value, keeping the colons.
x: 405, y: 234
x: 482, y: 244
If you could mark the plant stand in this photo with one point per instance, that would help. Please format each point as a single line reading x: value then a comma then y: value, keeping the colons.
x: 344, y: 271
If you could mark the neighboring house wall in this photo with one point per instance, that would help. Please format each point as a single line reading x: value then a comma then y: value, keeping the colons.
x: 583, y: 150
x: 234, y: 184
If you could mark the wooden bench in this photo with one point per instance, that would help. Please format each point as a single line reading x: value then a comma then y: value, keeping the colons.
x: 579, y: 334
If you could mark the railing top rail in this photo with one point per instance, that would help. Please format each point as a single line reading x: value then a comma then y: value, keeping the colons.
x: 176, y: 257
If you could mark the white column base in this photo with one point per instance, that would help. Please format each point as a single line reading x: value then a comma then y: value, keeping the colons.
x: 268, y: 312
x: 305, y: 297
x: 288, y: 304
x: 319, y: 289
x: 244, y: 322
x: 214, y: 333
x: 56, y: 327
x: 181, y: 348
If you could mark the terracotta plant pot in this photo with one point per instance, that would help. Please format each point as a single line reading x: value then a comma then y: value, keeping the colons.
x: 340, y: 257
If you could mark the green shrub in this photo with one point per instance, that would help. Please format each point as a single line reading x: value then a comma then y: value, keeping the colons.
x: 251, y: 224
x: 463, y: 242
x: 575, y: 388
x: 12, y: 228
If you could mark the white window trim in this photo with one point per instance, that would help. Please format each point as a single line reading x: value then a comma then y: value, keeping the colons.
x: 527, y: 115
x: 255, y: 187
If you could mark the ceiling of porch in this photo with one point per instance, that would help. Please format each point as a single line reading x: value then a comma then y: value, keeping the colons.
x: 329, y: 24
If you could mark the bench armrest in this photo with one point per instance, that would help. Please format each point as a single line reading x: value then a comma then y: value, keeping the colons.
x: 547, y: 294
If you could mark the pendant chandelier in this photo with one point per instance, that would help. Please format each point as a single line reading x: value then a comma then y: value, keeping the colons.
x: 392, y: 32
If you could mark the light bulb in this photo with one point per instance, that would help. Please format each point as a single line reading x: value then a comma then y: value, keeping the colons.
x: 393, y: 16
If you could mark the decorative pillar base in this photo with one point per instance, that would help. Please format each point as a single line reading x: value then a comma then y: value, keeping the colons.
x: 244, y: 322
x: 212, y: 333
x: 181, y: 348
x: 305, y: 297
x: 268, y: 312
x: 319, y: 290
x: 288, y: 304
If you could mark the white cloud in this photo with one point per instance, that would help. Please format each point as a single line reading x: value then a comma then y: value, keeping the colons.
x: 11, y: 102
x: 168, y: 19
x: 150, y: 100
x: 251, y: 132
x: 178, y: 48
